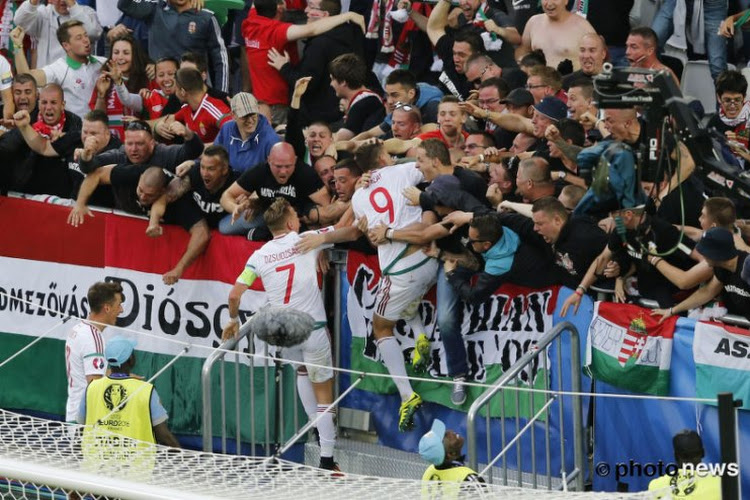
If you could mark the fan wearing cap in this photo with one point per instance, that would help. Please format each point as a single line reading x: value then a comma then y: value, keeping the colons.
x: 248, y: 137
x: 547, y: 112
x: 123, y: 404
x: 688, y: 449
x: 717, y: 247
x: 442, y: 449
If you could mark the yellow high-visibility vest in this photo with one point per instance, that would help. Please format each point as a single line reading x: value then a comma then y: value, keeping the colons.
x: 107, y: 419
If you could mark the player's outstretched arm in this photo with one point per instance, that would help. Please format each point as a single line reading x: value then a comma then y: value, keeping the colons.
x: 232, y: 328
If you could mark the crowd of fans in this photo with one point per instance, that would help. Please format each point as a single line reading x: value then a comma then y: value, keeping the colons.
x: 191, y: 123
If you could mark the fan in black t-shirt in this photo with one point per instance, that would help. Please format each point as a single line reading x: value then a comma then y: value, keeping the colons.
x: 283, y: 175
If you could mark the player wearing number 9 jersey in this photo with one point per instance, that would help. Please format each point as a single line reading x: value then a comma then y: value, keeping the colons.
x: 290, y: 279
x: 406, y: 272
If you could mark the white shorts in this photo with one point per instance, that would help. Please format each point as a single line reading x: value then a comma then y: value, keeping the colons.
x: 400, y: 293
x: 316, y: 350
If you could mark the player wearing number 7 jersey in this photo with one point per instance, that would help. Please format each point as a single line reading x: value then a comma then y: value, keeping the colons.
x: 406, y: 272
x: 290, y: 280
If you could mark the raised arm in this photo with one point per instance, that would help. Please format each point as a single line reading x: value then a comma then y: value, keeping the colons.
x: 38, y: 144
x: 22, y: 65
x: 88, y: 17
x: 438, y: 20
x: 199, y: 238
x: 300, y: 31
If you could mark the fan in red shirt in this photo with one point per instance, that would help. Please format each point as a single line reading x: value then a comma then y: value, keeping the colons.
x: 263, y: 30
x: 451, y: 119
x: 200, y: 112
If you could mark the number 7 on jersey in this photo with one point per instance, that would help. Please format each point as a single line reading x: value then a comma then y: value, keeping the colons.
x: 289, y: 280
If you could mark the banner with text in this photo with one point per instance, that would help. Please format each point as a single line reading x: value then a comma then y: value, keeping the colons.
x: 496, y: 334
x: 722, y: 361
x: 46, y: 269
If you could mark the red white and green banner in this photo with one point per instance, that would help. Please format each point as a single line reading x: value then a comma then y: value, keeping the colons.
x: 722, y: 361
x: 630, y: 349
x: 46, y: 268
x: 496, y: 334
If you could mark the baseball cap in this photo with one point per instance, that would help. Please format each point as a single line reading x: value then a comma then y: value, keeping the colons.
x: 118, y: 350
x: 687, y: 443
x: 244, y: 103
x: 553, y: 108
x: 518, y: 97
x: 431, y: 447
x: 717, y: 244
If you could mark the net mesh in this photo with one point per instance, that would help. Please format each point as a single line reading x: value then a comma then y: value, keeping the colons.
x: 43, y: 459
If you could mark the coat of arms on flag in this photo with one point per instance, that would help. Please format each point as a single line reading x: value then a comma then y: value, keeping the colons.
x: 629, y: 349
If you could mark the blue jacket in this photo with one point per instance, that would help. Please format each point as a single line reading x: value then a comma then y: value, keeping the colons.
x: 618, y: 185
x: 255, y: 150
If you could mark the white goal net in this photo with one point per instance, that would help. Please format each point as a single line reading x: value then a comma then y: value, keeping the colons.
x: 44, y: 459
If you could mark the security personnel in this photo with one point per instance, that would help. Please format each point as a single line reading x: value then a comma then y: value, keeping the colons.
x: 688, y: 449
x: 443, y: 450
x: 122, y: 404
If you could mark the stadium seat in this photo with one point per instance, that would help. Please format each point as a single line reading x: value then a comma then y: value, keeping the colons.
x: 696, y: 81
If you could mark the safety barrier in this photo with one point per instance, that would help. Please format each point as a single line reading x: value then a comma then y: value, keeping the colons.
x: 511, y: 380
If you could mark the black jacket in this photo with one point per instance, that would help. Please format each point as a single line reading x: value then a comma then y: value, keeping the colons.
x: 580, y: 242
x: 320, y: 101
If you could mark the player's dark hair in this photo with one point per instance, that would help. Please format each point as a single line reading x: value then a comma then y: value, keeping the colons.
x: 102, y: 293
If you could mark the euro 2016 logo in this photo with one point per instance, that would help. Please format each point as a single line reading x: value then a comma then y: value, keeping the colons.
x: 114, y: 397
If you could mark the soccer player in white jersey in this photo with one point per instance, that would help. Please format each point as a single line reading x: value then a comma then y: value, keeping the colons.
x: 407, y: 273
x: 290, y: 280
x: 84, y: 346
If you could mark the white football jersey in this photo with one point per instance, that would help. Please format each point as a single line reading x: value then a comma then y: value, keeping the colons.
x: 84, y: 355
x: 290, y: 278
x: 383, y: 201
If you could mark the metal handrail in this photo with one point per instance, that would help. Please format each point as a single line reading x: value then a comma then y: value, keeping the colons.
x: 516, y: 369
x: 218, y: 355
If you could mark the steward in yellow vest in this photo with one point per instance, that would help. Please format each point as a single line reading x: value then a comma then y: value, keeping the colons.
x: 122, y: 405
x: 688, y: 449
x: 443, y: 450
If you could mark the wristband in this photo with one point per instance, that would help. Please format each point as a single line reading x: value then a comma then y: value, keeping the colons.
x: 234, y: 320
x: 579, y: 293
x: 581, y: 288
x: 671, y: 312
x: 481, y: 158
x: 389, y: 234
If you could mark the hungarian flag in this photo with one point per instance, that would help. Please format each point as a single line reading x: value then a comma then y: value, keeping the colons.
x: 629, y: 349
x: 722, y: 361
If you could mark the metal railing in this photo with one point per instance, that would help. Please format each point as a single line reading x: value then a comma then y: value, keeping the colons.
x: 509, y: 383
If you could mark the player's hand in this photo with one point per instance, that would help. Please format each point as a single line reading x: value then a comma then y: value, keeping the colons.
x: 377, y: 234
x: 231, y: 329
x: 154, y: 230
x: 664, y: 313
x: 172, y: 277
x: 573, y: 300
x: 277, y: 59
x: 22, y: 118
x: 78, y: 214
x: 309, y: 242
x: 323, y: 264
x: 411, y: 194
x: 362, y: 224
x: 183, y: 168
x: 16, y: 36
x: 458, y: 219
